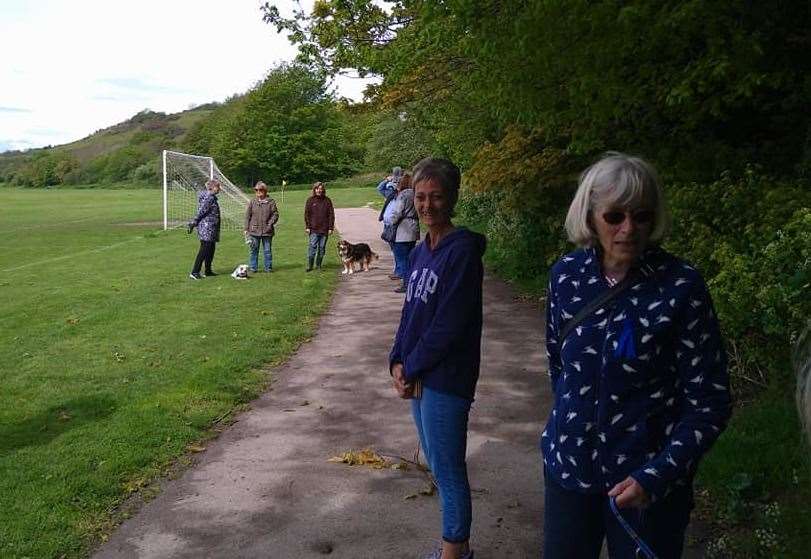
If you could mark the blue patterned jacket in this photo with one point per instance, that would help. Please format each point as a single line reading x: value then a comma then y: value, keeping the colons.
x: 641, y: 386
x: 207, y: 219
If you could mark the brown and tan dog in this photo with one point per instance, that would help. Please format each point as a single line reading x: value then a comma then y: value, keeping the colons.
x: 352, y: 254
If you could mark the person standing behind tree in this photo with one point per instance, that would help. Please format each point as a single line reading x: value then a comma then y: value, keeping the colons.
x: 319, y: 220
x: 404, y: 216
x: 260, y: 221
x: 388, y: 189
x: 207, y: 222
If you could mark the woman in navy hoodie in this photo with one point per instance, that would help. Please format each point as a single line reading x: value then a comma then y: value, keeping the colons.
x: 640, y: 382
x: 436, y: 354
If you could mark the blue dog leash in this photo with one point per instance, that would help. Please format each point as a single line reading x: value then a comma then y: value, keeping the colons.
x: 641, y: 545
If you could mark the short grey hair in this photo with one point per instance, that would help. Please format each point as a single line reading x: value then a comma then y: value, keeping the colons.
x: 397, y: 172
x: 444, y: 172
x: 618, y: 180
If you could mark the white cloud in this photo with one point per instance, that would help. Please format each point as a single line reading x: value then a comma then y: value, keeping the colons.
x: 71, y: 68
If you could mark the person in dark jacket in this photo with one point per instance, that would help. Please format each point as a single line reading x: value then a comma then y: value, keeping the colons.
x: 640, y: 383
x: 260, y: 222
x: 404, y: 216
x: 319, y: 220
x: 437, y: 350
x: 207, y: 222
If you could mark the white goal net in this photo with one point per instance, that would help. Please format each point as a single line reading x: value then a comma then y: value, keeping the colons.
x: 184, y: 176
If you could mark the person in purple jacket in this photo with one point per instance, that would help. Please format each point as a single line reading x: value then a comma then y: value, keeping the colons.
x: 207, y: 222
x: 436, y: 353
x: 638, y: 371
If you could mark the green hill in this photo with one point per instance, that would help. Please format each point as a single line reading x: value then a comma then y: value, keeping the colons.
x: 125, y: 152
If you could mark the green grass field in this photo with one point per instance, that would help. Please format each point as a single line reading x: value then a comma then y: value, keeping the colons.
x: 114, y: 362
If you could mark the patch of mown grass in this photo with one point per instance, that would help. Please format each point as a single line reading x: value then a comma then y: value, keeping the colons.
x: 114, y: 362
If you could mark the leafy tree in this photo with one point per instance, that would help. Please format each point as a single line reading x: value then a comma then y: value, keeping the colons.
x: 398, y: 139
x: 698, y: 86
x: 44, y: 168
x: 286, y: 127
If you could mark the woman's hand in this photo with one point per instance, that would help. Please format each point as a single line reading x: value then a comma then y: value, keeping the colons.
x: 629, y: 494
x: 308, y: 231
x: 404, y: 389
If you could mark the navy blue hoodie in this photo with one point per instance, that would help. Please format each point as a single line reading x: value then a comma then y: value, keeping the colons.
x: 439, y: 338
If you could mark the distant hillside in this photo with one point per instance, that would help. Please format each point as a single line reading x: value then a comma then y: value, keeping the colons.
x: 127, y: 151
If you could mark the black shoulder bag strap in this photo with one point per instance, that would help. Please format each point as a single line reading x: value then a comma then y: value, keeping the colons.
x: 604, y: 298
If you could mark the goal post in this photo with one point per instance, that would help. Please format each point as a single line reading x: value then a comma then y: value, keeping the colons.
x: 184, y: 177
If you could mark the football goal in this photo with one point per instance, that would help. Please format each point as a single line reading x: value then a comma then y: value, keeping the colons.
x: 184, y: 176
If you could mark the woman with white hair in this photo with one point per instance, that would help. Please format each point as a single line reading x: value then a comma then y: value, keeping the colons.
x: 207, y: 222
x: 638, y: 371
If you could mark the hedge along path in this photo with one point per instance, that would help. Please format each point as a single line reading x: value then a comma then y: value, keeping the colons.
x: 265, y: 488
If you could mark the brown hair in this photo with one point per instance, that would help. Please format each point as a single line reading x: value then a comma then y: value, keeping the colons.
x: 445, y: 173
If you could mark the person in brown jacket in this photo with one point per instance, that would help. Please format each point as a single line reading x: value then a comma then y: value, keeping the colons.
x: 260, y: 220
x: 319, y: 221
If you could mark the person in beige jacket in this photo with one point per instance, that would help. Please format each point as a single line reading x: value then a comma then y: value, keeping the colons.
x: 260, y: 220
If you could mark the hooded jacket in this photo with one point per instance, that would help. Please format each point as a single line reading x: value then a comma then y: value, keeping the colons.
x: 207, y: 219
x: 641, y: 385
x: 439, y: 337
x: 404, y: 215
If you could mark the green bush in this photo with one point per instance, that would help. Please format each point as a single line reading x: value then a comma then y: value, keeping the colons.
x: 147, y: 172
x: 120, y: 165
x: 523, y: 240
x: 751, y: 238
x: 397, y: 140
x: 44, y: 168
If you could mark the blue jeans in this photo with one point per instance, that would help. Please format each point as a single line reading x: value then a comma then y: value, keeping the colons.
x: 401, y: 252
x: 318, y: 245
x: 575, y: 524
x: 441, y: 421
x: 391, y: 246
x: 266, y: 243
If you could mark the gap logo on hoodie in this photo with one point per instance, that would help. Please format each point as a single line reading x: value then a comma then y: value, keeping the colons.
x: 424, y: 287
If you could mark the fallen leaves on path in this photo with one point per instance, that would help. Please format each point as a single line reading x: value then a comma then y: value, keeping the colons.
x: 367, y: 457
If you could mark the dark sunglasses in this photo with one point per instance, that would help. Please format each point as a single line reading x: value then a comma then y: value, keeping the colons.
x: 640, y: 217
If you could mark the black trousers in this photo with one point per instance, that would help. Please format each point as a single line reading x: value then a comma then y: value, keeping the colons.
x: 205, y: 254
x: 576, y: 523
